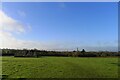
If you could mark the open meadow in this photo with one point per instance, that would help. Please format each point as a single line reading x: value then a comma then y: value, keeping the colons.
x: 60, y: 67
x: 58, y: 39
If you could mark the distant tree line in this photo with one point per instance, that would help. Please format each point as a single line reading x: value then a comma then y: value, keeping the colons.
x: 39, y: 53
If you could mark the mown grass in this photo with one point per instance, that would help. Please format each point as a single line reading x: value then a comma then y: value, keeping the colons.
x: 60, y: 67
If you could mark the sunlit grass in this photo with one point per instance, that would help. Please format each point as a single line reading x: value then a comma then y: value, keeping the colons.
x: 60, y: 67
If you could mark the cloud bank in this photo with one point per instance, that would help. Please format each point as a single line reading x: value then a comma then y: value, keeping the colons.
x: 8, y: 24
x: 9, y: 27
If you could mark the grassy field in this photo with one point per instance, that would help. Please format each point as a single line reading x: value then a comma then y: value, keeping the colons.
x: 60, y: 67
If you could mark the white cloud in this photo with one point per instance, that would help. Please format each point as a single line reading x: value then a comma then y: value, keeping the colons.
x: 9, y: 24
x: 8, y: 27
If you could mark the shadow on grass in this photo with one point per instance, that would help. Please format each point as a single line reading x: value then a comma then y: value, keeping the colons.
x: 29, y: 57
x: 62, y: 79
x: 118, y: 64
x: 4, y: 77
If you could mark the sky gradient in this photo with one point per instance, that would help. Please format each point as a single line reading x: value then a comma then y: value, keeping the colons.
x: 60, y: 26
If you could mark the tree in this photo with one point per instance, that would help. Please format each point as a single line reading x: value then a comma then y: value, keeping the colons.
x: 82, y: 51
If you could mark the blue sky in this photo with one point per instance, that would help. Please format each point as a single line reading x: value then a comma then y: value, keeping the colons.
x: 59, y: 26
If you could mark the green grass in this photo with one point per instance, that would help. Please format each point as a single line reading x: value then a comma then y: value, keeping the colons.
x: 60, y: 67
